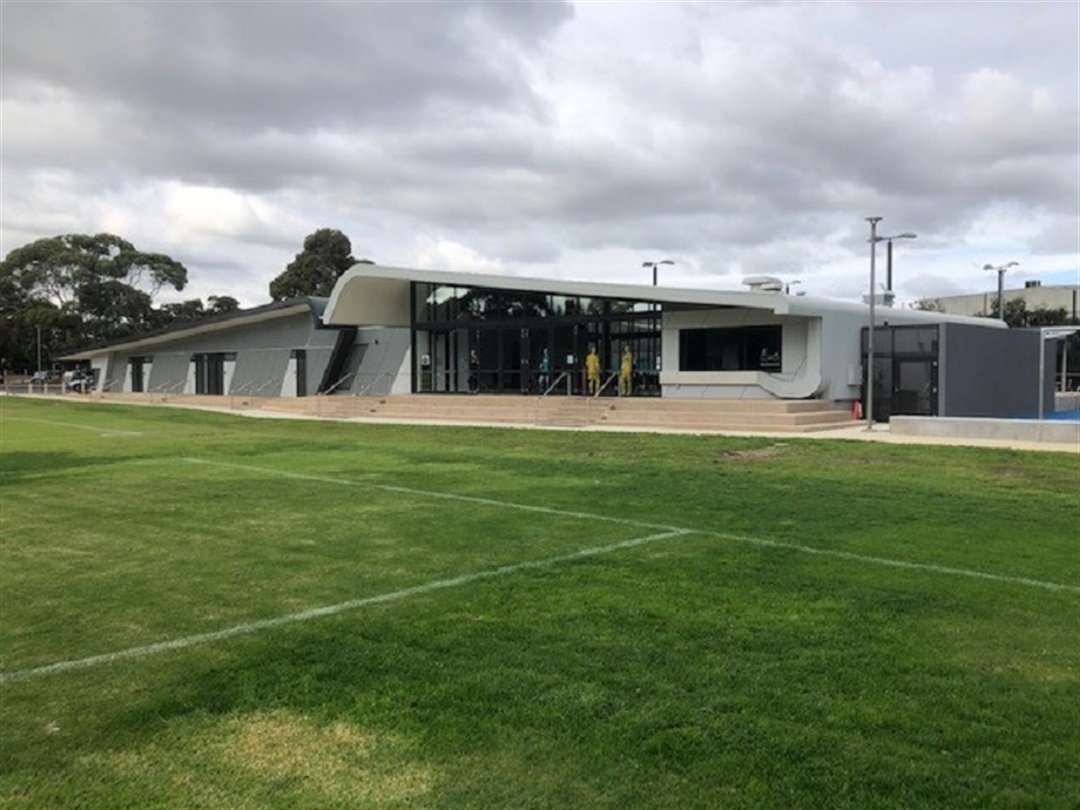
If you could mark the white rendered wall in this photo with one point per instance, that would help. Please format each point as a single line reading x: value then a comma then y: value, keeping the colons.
x: 800, y: 374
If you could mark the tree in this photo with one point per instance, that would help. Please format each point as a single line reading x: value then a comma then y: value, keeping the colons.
x: 1018, y: 316
x: 327, y: 254
x: 220, y: 304
x: 184, y: 312
x: 929, y: 305
x: 78, y: 290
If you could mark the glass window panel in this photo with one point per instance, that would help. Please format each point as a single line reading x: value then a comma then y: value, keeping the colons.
x: 916, y: 340
x: 421, y: 302
x: 736, y: 349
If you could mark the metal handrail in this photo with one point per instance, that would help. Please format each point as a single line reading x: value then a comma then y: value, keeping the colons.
x: 365, y: 389
x: 563, y: 375
x: 335, y: 386
x: 241, y: 391
x: 248, y: 390
x: 614, y: 376
x: 164, y: 389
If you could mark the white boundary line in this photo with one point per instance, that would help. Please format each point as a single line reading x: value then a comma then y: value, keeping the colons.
x: 756, y: 541
x: 665, y: 533
x: 102, y: 431
x: 449, y: 496
x: 317, y: 613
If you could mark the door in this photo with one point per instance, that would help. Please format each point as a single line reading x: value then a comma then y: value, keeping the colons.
x: 915, y: 388
x: 883, y: 388
x: 301, y: 372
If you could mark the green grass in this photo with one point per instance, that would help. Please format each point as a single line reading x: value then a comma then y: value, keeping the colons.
x: 835, y: 624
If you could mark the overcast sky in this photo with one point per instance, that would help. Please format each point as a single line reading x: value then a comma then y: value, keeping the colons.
x: 568, y: 140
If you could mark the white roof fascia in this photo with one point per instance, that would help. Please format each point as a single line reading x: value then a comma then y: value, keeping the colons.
x: 187, y: 332
x: 367, y: 281
x: 363, y: 288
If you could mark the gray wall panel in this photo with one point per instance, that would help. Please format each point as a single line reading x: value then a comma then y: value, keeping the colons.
x: 169, y: 372
x: 990, y: 372
x: 262, y: 356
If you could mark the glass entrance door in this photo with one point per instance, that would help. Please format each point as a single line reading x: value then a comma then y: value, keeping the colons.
x: 915, y: 388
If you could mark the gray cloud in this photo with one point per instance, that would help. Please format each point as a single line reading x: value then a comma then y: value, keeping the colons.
x: 738, y: 137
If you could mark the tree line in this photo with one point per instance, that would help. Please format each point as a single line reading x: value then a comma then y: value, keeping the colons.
x: 65, y: 293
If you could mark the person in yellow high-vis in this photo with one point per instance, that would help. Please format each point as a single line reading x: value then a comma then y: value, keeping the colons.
x: 626, y: 373
x: 592, y: 371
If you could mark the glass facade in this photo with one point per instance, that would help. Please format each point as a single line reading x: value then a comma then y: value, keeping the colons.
x: 509, y: 332
x: 742, y: 348
x: 905, y: 370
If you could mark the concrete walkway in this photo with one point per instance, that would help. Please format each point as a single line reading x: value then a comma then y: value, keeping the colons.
x: 880, y: 433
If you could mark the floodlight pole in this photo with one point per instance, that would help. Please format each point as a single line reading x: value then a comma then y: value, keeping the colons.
x: 1000, y: 270
x: 888, y: 240
x: 654, y: 265
x: 870, y: 334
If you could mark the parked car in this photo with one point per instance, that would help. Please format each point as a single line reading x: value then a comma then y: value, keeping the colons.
x: 39, y: 377
x: 79, y: 381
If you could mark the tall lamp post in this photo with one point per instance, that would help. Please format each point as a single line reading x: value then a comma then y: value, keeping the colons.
x: 1000, y: 270
x: 654, y: 265
x: 870, y: 334
x: 39, y: 349
x: 888, y: 240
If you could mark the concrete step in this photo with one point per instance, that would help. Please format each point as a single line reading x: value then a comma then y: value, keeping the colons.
x: 555, y: 411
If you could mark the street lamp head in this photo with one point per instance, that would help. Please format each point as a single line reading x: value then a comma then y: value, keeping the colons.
x: 905, y: 235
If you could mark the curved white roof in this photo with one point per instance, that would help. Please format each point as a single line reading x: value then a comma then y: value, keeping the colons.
x: 375, y: 295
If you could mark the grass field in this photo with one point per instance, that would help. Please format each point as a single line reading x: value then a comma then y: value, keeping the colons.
x: 201, y: 610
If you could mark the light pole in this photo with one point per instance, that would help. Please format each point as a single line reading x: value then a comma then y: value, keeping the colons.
x: 888, y: 240
x: 654, y: 265
x: 870, y: 334
x: 1000, y: 270
x: 39, y: 349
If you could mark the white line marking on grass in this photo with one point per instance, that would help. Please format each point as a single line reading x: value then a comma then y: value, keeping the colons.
x: 757, y: 541
x: 316, y: 613
x: 865, y: 558
x: 450, y: 496
x: 102, y: 431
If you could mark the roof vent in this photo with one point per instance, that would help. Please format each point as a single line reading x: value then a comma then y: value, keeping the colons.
x: 764, y: 283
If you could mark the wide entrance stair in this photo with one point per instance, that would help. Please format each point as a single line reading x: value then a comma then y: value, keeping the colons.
x: 628, y: 413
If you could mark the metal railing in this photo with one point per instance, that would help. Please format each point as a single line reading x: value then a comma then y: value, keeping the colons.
x: 366, y: 389
x: 614, y: 376
x: 165, y: 389
x: 562, y: 376
x: 336, y: 385
x: 249, y: 390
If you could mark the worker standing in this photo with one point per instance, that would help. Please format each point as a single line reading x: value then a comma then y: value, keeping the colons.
x: 592, y: 371
x: 626, y: 373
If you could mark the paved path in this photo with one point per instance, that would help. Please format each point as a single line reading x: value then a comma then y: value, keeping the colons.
x: 880, y: 433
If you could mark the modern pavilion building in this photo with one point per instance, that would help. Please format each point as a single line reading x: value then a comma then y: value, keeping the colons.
x: 399, y: 330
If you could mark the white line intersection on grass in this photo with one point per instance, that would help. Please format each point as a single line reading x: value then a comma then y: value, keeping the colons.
x: 757, y: 541
x: 250, y: 628
x: 664, y: 533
